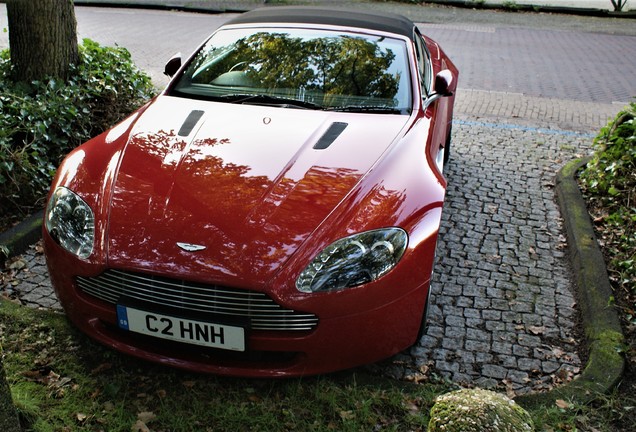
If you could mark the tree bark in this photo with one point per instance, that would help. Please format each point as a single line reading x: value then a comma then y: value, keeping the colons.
x: 42, y: 38
x: 8, y: 414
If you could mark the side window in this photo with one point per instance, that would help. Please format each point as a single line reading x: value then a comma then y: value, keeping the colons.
x: 423, y: 63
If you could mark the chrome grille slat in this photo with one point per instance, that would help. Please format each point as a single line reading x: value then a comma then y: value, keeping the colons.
x: 262, y: 311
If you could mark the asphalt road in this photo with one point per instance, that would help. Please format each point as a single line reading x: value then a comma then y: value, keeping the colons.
x: 556, y: 57
x: 550, y: 63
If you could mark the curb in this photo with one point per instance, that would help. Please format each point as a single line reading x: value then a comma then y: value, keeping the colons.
x: 514, y: 7
x: 16, y: 240
x: 603, y: 334
x: 163, y: 5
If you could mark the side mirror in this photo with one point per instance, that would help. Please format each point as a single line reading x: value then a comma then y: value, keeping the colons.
x: 173, y: 65
x: 444, y: 84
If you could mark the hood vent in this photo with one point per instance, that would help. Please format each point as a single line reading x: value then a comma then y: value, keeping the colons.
x: 330, y: 135
x: 190, y: 122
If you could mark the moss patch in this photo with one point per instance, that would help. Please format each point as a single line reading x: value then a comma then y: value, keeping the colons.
x: 476, y: 410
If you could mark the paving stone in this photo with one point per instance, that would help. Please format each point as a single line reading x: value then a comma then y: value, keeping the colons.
x: 550, y: 366
x: 478, y: 346
x: 465, y: 302
x: 493, y: 326
x: 472, y: 313
x: 508, y: 361
x: 486, y: 383
x: 452, y: 343
x: 502, y: 347
x: 480, y: 335
x: 494, y: 371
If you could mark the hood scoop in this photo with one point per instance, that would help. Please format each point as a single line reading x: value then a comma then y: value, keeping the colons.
x: 190, y: 122
x: 330, y: 135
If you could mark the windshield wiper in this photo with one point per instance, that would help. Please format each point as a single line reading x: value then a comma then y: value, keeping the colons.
x: 280, y: 101
x: 367, y: 109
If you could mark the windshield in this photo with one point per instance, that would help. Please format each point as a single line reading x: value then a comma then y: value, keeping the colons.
x: 301, y: 68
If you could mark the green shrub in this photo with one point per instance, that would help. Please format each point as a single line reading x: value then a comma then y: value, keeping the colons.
x: 609, y: 182
x: 43, y: 120
x: 510, y: 5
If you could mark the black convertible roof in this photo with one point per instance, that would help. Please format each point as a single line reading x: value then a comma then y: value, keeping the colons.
x: 385, y: 22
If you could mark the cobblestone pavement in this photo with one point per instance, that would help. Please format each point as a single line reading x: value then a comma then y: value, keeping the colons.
x: 503, y: 312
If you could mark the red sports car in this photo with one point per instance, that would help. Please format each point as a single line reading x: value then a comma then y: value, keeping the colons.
x: 275, y: 211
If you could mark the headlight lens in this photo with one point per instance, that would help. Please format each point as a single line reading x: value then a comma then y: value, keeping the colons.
x: 354, y: 260
x: 70, y: 222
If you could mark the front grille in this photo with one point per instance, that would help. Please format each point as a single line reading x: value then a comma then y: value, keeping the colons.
x: 261, y: 311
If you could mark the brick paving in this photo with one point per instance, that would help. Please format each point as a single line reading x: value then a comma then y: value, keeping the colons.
x: 565, y: 114
x: 550, y: 63
x: 503, y: 310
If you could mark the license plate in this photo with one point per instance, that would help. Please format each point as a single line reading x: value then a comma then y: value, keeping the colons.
x: 181, y: 330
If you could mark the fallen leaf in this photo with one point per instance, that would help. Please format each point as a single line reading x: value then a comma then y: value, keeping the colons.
x: 18, y: 264
x: 558, y: 352
x: 416, y: 378
x: 139, y: 426
x: 562, y: 404
x: 33, y: 374
x: 39, y: 249
x: 53, y: 376
x: 599, y: 219
x: 347, y: 415
x: 146, y: 416
x: 537, y: 330
x: 101, y: 368
x: 412, y: 407
x: 510, y: 392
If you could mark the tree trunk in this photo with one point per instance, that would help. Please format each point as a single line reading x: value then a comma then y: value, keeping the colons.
x: 42, y: 38
x: 8, y: 415
x: 618, y: 5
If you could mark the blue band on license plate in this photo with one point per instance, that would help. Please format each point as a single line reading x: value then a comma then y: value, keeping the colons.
x: 184, y: 330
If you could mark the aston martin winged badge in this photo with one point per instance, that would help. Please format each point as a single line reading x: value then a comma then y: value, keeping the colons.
x: 189, y: 247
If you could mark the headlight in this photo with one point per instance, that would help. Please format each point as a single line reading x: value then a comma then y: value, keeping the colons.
x: 70, y: 222
x: 354, y: 260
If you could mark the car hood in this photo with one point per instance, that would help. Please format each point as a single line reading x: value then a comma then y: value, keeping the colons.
x: 247, y: 183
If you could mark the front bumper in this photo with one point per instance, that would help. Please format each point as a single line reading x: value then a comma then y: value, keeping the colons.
x: 338, y: 342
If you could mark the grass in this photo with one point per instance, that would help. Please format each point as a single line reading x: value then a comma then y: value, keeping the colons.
x: 62, y: 381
